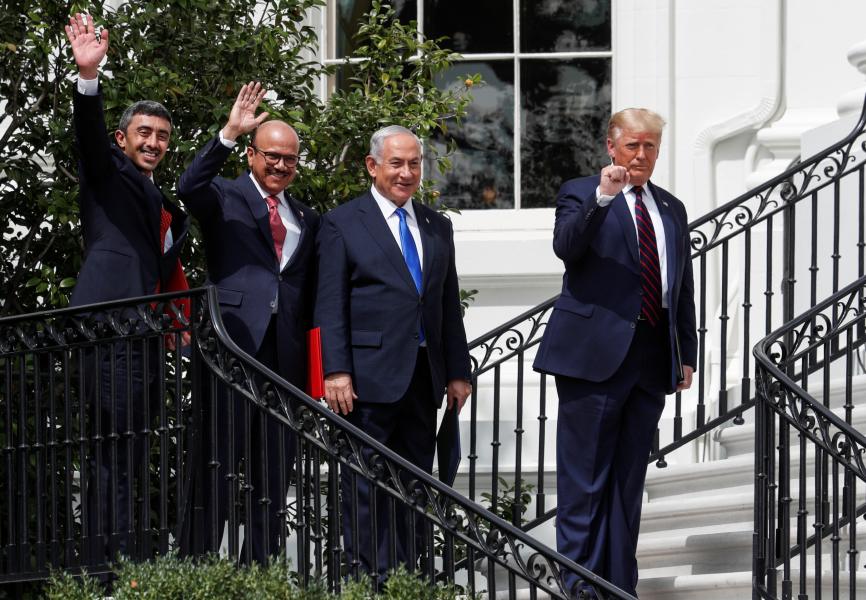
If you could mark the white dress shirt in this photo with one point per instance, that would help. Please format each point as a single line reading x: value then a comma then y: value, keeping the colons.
x: 293, y: 230
x: 658, y: 225
x: 90, y: 87
x: 389, y: 211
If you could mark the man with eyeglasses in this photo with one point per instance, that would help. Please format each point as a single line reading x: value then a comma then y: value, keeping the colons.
x: 259, y: 245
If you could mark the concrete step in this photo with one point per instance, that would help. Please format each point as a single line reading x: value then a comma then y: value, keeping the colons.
x: 687, y: 511
x: 700, y: 478
x: 697, y: 550
x: 720, y: 549
x: 731, y: 586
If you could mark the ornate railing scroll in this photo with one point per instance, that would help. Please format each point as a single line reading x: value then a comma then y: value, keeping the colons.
x: 758, y: 260
x: 809, y: 453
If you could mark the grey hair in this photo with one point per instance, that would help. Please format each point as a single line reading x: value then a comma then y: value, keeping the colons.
x: 377, y: 140
x: 143, y: 107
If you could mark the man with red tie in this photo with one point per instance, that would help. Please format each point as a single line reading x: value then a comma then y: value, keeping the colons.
x: 132, y: 238
x: 259, y: 245
x: 620, y: 337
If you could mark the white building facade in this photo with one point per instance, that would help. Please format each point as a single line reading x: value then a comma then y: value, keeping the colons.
x: 739, y: 83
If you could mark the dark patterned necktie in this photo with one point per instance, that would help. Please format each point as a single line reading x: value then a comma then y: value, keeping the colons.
x: 650, y: 269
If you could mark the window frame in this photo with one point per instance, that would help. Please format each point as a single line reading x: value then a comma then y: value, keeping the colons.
x: 327, y: 40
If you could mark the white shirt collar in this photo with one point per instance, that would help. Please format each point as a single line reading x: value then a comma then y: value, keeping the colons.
x: 281, y: 196
x: 629, y: 187
x: 388, y: 207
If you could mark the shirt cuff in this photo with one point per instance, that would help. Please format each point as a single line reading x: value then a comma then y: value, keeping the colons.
x: 601, y: 199
x: 88, y: 87
x: 227, y: 143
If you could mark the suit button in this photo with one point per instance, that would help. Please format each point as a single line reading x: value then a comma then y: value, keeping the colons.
x: 273, y: 303
x: 633, y: 325
x: 279, y: 277
x: 415, y: 337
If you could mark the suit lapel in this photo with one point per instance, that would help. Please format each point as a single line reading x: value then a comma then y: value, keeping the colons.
x: 149, y: 196
x: 299, y: 217
x: 428, y: 241
x: 626, y: 222
x: 374, y: 222
x: 258, y: 208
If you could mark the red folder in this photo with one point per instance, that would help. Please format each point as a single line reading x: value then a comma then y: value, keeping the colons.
x: 315, y: 371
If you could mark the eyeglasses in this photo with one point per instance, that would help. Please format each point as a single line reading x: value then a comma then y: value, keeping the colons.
x: 273, y: 158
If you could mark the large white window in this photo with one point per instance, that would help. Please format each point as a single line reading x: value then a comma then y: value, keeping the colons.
x: 546, y: 100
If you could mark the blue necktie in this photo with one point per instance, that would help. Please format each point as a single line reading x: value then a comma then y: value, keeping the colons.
x: 410, y: 253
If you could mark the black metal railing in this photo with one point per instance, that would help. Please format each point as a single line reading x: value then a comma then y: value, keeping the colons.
x: 85, y: 477
x: 758, y: 260
x: 810, y: 475
x: 93, y: 404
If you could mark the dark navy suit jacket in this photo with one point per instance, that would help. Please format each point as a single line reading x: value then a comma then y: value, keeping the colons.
x: 241, y: 261
x: 120, y: 216
x: 369, y: 309
x: 594, y: 320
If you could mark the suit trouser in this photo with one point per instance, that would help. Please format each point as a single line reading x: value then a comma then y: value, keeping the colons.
x: 605, y: 432
x: 123, y: 395
x: 408, y: 427
x: 266, y: 469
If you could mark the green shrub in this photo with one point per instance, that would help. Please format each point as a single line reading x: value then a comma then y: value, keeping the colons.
x: 63, y: 586
x: 214, y: 578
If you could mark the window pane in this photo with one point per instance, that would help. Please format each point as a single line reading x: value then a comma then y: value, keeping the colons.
x: 351, y: 12
x: 471, y: 26
x: 483, y: 173
x: 564, y: 25
x: 566, y: 106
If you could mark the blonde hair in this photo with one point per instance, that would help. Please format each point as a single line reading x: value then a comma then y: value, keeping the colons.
x: 635, y: 119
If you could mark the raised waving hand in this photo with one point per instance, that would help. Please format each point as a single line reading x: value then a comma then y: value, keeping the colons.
x: 242, y: 118
x: 88, y: 48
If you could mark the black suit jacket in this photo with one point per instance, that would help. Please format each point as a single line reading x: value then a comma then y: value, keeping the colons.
x: 370, y: 310
x: 241, y: 262
x: 594, y: 319
x: 120, y: 216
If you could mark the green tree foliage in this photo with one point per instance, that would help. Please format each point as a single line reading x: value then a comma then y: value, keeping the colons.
x: 193, y: 55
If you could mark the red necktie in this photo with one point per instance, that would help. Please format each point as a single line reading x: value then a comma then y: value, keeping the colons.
x: 164, y: 224
x: 177, y: 280
x: 650, y: 270
x: 278, y: 230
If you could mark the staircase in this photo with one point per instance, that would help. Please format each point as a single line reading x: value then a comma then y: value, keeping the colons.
x: 698, y: 519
